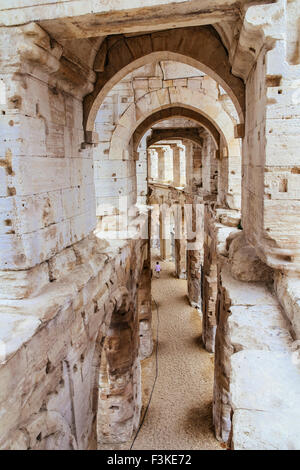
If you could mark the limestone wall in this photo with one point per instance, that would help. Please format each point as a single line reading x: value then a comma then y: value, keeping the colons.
x: 47, y: 192
x: 257, y: 381
x: 72, y: 305
x: 54, y: 405
x: 256, y: 397
x: 60, y: 285
x: 256, y: 361
x: 219, y: 223
x: 270, y: 190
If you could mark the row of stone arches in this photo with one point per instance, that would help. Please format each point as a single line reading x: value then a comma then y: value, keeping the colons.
x: 119, y: 56
x: 61, y: 285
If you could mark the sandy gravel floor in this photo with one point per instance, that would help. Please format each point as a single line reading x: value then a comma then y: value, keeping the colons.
x: 180, y: 413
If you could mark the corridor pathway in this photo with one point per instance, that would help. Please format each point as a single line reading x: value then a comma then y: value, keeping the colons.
x: 180, y: 413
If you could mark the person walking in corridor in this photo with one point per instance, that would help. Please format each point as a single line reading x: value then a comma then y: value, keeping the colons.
x: 157, y: 269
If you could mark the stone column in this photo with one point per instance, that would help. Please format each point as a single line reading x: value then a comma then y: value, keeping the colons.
x: 182, y: 165
x: 164, y: 235
x: 197, y: 182
x: 223, y: 176
x: 119, y: 394
x: 154, y: 229
x: 179, y: 164
x: 210, y: 288
x: 142, y: 172
x: 209, y: 165
x: 271, y: 190
x: 180, y: 243
x: 161, y: 154
x: 168, y: 164
x: 176, y: 164
x: 145, y: 312
x: 152, y: 164
x: 189, y: 164
x: 194, y: 219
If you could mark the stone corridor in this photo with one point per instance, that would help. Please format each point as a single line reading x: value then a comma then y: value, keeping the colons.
x: 131, y: 130
x: 180, y: 411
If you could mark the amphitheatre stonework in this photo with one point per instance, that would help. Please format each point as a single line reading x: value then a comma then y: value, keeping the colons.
x: 132, y: 132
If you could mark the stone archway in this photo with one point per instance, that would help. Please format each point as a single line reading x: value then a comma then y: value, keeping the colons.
x: 120, y: 55
x: 179, y: 97
x: 173, y: 112
x: 197, y: 106
x: 174, y: 133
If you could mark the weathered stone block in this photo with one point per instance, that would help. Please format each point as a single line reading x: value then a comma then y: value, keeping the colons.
x: 263, y: 430
x: 22, y: 284
x: 245, y: 264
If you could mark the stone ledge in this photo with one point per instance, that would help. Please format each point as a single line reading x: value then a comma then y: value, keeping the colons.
x: 258, y: 327
x: 22, y: 318
x: 245, y: 293
x: 288, y: 292
x: 262, y: 430
x: 255, y: 369
x: 264, y: 380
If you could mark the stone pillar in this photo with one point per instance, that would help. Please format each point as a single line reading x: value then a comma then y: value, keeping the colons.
x: 149, y: 165
x: 164, y: 235
x: 179, y: 164
x: 182, y: 163
x: 209, y: 165
x: 209, y: 299
x: 154, y: 224
x: 194, y: 277
x: 219, y: 224
x: 176, y: 164
x: 119, y: 404
x: 197, y: 183
x: 161, y: 153
x: 189, y: 164
x: 194, y: 219
x: 180, y: 243
x: 152, y: 164
x: 142, y: 171
x: 234, y: 175
x: 223, y: 176
x: 271, y: 190
x: 145, y: 312
x: 169, y: 164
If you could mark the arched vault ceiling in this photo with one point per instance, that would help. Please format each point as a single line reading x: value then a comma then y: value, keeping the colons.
x: 175, y: 133
x: 84, y: 50
x: 120, y: 55
x: 175, y: 111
